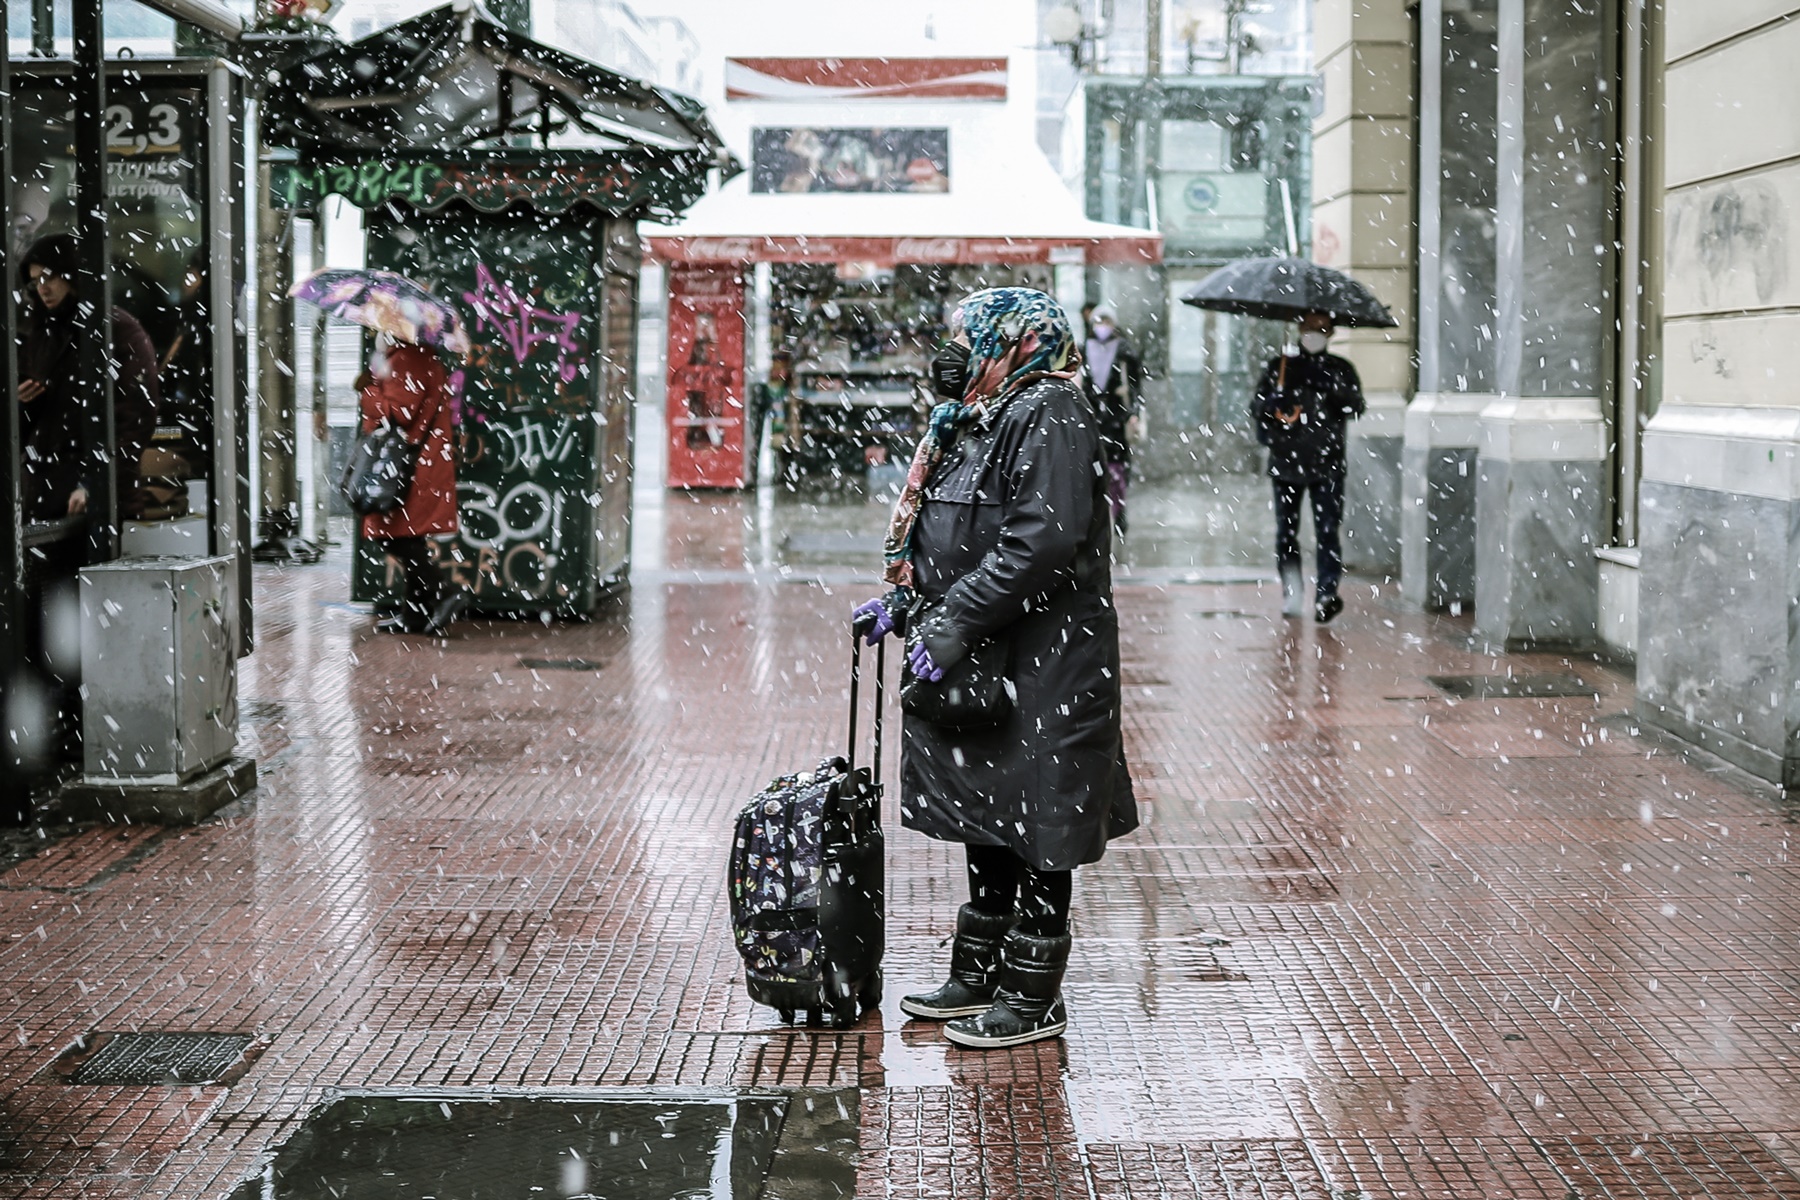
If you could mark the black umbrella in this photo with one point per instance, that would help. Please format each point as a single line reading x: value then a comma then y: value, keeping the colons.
x: 1285, y: 289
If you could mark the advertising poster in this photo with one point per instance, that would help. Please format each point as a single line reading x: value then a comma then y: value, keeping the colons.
x: 806, y: 159
x: 707, y: 435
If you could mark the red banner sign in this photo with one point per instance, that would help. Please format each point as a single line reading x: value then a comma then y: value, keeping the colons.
x: 814, y: 79
x: 890, y: 250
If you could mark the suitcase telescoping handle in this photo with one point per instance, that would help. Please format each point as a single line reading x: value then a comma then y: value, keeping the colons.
x: 880, y: 697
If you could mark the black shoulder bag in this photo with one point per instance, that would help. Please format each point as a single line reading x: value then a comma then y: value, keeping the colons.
x: 379, y: 475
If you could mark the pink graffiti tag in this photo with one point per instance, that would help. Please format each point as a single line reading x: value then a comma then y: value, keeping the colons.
x: 522, y: 325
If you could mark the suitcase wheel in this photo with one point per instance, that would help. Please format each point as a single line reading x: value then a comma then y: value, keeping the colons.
x: 843, y: 1014
x: 786, y: 1015
x: 813, y: 1016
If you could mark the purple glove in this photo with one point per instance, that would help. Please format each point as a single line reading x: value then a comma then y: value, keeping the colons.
x: 871, y: 621
x: 919, y: 659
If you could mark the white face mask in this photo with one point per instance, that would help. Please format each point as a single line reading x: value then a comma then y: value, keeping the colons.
x: 1314, y: 341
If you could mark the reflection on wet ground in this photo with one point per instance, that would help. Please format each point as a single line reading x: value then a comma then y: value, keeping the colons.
x: 1403, y: 917
x: 479, y: 1145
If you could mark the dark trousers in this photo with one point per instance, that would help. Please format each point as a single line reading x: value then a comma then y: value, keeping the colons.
x: 1327, y: 491
x: 421, y: 583
x: 1000, y: 882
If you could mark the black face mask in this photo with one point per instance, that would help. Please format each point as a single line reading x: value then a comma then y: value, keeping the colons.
x: 950, y: 371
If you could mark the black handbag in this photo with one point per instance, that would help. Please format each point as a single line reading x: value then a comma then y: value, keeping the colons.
x: 379, y: 475
x: 974, y: 693
x: 383, y: 463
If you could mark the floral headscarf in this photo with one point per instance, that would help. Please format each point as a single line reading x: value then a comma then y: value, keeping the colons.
x: 1017, y: 336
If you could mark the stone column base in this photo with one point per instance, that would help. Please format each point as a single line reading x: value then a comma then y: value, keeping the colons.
x: 1540, y: 499
x: 1372, y: 488
x: 1437, y: 498
x: 189, y: 802
x: 1719, y: 538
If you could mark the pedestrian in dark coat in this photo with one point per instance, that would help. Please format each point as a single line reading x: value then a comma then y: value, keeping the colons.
x: 1114, y: 377
x: 1003, y: 532
x: 1302, y: 404
x: 406, y: 385
x: 58, y: 461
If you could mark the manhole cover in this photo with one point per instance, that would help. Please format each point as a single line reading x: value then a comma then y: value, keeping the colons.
x: 561, y: 664
x: 146, y: 1059
x: 482, y: 1144
x: 1495, y: 687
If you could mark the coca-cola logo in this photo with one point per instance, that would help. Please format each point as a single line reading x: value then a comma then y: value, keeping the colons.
x: 734, y: 248
x: 927, y: 249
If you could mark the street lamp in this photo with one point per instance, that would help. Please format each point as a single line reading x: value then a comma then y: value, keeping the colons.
x: 1065, y: 26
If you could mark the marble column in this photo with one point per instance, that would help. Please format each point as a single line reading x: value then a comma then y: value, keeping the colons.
x: 1544, y: 474
x: 1456, y: 318
x: 1718, y: 638
x: 1719, y: 509
x: 1361, y: 224
x: 1540, y: 508
x: 1437, y: 499
x: 1372, y: 488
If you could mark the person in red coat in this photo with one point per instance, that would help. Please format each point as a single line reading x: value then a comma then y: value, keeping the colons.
x: 406, y: 385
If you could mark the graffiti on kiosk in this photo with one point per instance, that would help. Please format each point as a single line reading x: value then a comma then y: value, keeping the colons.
x: 524, y: 326
x: 529, y: 446
x: 513, y: 529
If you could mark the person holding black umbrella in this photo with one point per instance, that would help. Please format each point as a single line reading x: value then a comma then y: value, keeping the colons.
x: 1302, y: 404
x: 1302, y: 401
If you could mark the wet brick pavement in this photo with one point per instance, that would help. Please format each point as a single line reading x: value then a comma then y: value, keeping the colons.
x: 1371, y: 941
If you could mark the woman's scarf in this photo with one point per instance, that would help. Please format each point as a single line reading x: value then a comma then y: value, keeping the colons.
x: 1017, y: 336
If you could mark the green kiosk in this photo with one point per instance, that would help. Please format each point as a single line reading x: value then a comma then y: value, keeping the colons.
x: 509, y: 177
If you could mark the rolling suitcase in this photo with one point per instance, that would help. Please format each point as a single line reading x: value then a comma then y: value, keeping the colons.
x: 807, y: 880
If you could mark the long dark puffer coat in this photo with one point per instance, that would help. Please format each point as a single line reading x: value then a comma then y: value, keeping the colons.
x: 1013, y: 535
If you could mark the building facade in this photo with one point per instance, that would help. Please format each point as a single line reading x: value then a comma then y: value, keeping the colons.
x: 1190, y: 118
x: 1582, y: 429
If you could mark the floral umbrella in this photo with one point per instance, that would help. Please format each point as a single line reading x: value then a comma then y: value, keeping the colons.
x: 387, y: 303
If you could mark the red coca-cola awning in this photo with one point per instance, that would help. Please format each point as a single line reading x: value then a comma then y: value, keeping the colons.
x: 887, y: 251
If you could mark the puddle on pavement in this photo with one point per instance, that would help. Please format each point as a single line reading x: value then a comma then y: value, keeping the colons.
x: 475, y: 1145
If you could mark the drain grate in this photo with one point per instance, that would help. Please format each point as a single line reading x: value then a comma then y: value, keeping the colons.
x: 561, y: 664
x: 1497, y: 687
x: 145, y: 1059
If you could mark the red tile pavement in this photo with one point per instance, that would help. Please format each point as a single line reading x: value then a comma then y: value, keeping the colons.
x: 1371, y: 941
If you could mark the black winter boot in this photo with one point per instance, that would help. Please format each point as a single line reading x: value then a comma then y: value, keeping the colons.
x: 1028, y: 1005
x: 974, y: 966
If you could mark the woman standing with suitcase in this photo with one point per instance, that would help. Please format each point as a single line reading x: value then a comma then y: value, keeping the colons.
x: 999, y: 556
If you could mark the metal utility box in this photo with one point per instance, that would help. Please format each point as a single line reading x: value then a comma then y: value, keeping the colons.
x: 157, y: 663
